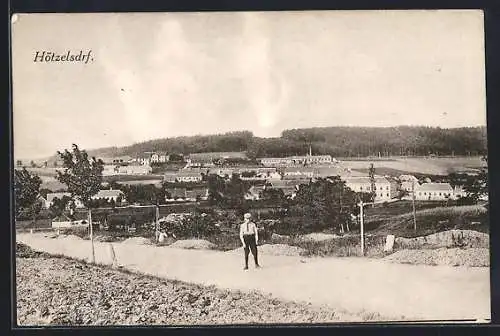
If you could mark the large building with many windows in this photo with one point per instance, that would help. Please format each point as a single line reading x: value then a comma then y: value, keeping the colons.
x: 384, y: 189
x: 297, y: 160
x: 433, y: 192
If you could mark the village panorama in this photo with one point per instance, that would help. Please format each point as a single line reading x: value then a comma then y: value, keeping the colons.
x: 374, y: 219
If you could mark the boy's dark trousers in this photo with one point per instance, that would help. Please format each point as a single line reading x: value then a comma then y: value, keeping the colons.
x: 250, y: 245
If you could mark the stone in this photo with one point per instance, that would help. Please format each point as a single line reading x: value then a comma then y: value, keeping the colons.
x: 389, y: 243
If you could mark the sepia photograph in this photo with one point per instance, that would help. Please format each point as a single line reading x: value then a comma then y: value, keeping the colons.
x: 255, y: 168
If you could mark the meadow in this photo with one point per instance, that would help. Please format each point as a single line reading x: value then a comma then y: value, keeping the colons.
x: 422, y: 165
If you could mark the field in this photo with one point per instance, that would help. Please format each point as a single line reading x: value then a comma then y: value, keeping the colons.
x: 48, y: 172
x: 428, y: 166
x: 157, y: 183
x: 50, y: 182
x: 128, y: 178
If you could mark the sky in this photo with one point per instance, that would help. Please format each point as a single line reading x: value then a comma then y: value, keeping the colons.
x: 157, y: 75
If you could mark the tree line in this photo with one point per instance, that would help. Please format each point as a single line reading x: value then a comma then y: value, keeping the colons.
x: 335, y: 141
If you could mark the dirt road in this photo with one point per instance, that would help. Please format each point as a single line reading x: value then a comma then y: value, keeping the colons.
x: 401, y: 291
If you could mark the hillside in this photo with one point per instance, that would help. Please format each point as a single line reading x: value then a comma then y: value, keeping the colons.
x: 429, y: 220
x: 335, y: 141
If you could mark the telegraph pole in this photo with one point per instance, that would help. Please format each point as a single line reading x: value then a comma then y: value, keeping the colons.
x: 413, y: 203
x: 361, y: 224
x: 91, y: 236
x: 157, y: 224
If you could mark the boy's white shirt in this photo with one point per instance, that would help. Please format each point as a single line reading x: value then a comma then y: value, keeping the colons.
x: 251, y: 227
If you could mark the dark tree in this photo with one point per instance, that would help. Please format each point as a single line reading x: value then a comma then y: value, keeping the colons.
x: 27, y: 191
x: 44, y: 192
x: 324, y: 204
x: 81, y: 175
x: 371, y: 174
x: 59, y: 205
x: 476, y: 187
x: 216, y: 189
x: 83, y: 178
x: 274, y: 196
x: 235, y: 191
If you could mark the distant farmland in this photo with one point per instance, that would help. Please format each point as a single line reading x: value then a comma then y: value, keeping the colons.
x: 51, y: 183
x: 430, y: 166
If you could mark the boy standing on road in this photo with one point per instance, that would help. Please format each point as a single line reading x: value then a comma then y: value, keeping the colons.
x: 249, y: 238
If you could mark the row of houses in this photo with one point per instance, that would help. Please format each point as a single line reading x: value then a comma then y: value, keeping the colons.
x: 257, y: 173
x: 105, y: 194
x: 186, y: 194
x: 153, y: 157
x: 129, y: 169
x: 145, y: 159
x: 297, y: 160
x: 192, y: 160
x: 209, y: 159
x: 385, y: 190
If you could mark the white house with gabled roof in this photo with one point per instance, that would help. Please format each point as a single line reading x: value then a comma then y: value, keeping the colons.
x: 433, y: 191
x: 109, y: 194
x: 49, y: 199
x: 383, y: 188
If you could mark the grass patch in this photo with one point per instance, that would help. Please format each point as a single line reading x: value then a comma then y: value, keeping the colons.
x: 435, y: 220
x: 124, y: 178
x: 347, y: 246
x: 225, y: 241
x: 380, y: 214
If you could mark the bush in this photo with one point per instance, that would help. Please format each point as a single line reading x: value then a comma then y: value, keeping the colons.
x: 30, y: 224
x: 466, y: 201
x: 347, y: 246
x: 82, y: 232
x: 225, y: 241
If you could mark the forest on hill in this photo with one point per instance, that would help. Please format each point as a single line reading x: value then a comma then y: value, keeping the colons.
x: 335, y: 141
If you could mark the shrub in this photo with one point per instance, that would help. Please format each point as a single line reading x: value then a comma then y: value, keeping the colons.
x: 347, y: 246
x: 225, y: 241
x: 82, y: 232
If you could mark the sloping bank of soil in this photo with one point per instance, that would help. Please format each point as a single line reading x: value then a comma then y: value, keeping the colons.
x: 471, y: 257
x: 60, y: 291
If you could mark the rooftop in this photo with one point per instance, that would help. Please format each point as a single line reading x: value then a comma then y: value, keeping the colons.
x: 61, y: 218
x: 286, y: 183
x: 298, y: 169
x: 188, y: 173
x: 366, y: 180
x: 408, y: 178
x: 217, y: 155
x: 433, y: 186
x: 108, y: 193
x: 51, y: 196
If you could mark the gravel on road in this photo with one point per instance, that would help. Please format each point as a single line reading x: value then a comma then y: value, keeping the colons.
x: 471, y: 257
x: 61, y: 291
